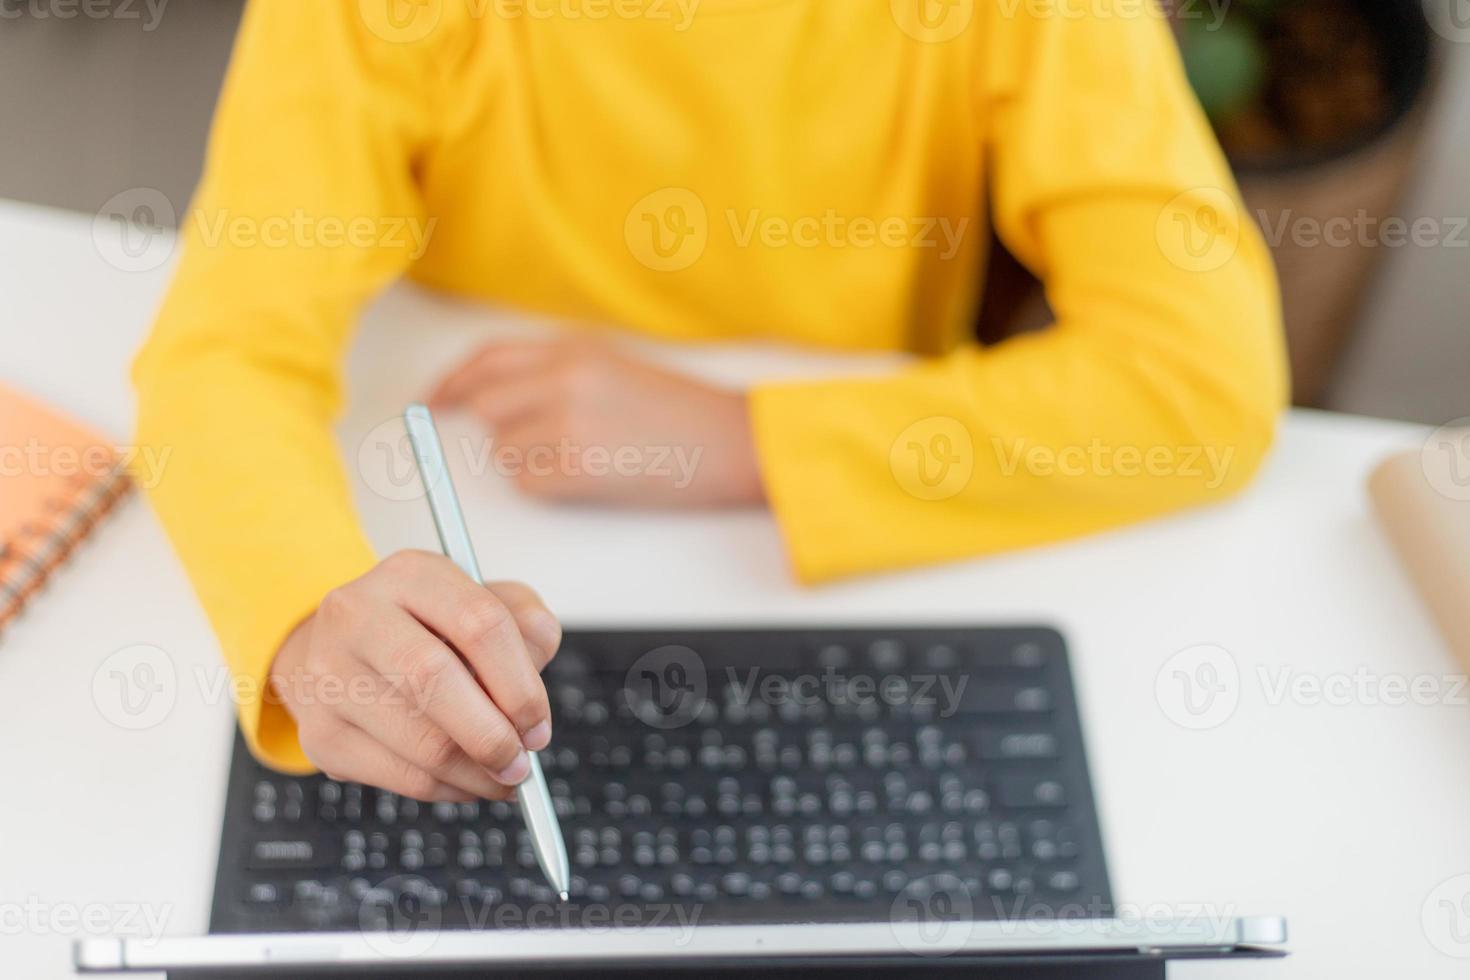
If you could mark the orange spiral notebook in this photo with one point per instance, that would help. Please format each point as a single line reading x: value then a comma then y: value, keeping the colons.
x: 57, y: 479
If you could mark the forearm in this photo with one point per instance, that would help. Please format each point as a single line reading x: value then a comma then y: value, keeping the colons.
x: 1158, y: 388
x: 240, y: 380
x: 256, y: 503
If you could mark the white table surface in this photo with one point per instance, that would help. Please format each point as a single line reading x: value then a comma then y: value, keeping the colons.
x: 1347, y: 815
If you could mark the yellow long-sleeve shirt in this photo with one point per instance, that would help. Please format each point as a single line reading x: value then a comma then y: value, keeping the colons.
x: 818, y: 171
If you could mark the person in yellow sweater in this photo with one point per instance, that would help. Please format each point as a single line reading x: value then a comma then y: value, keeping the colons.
x: 810, y: 171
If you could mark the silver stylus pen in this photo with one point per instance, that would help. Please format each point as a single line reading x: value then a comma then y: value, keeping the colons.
x: 534, y: 796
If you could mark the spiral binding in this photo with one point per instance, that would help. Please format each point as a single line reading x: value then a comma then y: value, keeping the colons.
x: 26, y: 563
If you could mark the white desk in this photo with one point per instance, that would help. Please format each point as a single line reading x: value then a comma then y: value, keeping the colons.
x: 1344, y: 817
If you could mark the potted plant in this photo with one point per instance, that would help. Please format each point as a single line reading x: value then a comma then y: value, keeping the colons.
x: 1319, y: 105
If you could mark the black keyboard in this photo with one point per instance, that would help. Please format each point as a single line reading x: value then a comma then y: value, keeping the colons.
x: 720, y: 776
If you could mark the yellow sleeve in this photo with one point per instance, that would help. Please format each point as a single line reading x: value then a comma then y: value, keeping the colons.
x: 306, y: 209
x: 1157, y: 387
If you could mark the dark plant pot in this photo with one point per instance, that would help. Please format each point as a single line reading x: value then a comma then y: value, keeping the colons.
x: 1297, y: 194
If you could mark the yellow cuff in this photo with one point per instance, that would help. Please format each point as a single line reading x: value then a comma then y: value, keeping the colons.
x: 807, y: 478
x: 269, y: 729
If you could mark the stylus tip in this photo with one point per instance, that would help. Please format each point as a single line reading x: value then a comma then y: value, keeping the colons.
x: 564, y: 896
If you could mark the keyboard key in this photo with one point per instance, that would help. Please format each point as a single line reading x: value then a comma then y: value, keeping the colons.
x: 995, y: 746
x: 1004, y: 699
x: 1029, y: 791
x: 291, y: 855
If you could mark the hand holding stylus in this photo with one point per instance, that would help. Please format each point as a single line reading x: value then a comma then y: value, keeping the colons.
x: 419, y: 680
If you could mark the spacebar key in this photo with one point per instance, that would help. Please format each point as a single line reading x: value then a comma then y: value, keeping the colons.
x: 283, y: 854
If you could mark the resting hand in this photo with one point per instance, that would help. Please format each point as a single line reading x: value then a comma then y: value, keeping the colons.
x: 578, y: 420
